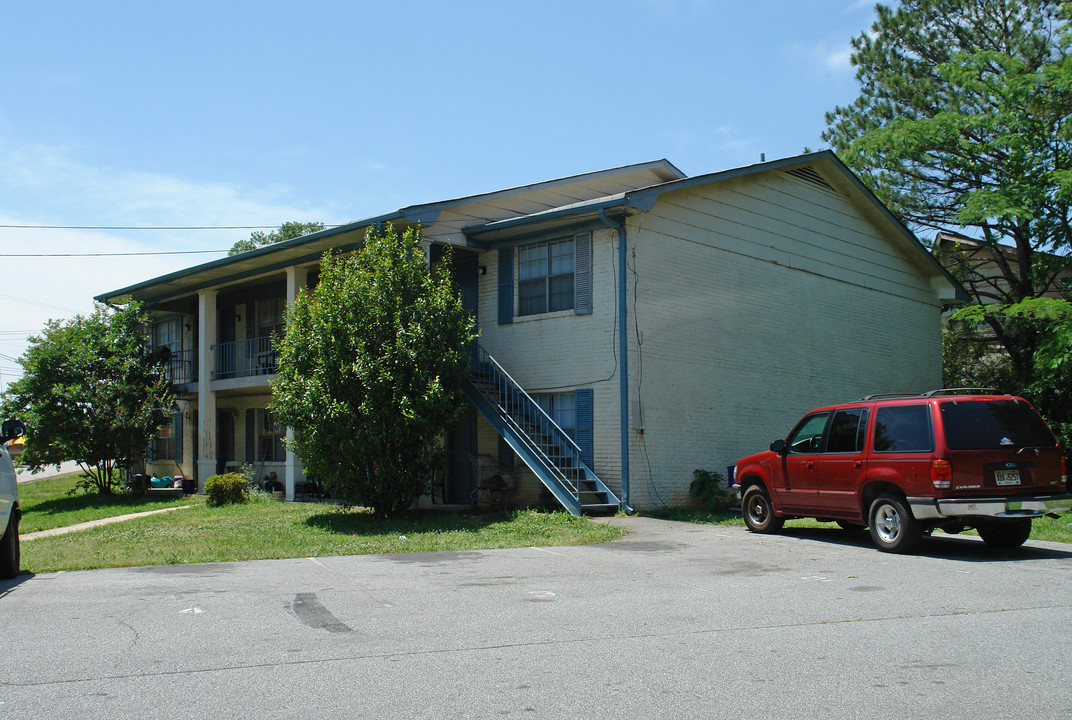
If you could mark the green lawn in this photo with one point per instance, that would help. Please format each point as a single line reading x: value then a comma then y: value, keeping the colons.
x: 266, y: 529
x: 49, y: 504
x: 1044, y: 528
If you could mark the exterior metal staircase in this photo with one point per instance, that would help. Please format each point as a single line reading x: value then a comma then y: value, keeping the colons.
x: 540, y: 443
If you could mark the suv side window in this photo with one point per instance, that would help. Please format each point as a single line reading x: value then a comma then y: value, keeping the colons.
x: 808, y: 437
x: 903, y: 428
x: 848, y: 430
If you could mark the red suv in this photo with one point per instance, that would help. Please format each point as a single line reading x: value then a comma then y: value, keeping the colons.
x: 905, y: 465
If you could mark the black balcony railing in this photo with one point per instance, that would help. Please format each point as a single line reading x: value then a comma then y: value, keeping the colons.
x: 182, y: 367
x: 244, y: 358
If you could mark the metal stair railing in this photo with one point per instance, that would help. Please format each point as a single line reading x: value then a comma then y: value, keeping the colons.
x: 557, y: 451
x: 540, y: 442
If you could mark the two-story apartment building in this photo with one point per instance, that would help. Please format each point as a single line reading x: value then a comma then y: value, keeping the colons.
x: 635, y: 324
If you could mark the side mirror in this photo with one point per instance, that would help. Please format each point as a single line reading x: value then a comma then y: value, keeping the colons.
x: 11, y: 429
x: 778, y: 446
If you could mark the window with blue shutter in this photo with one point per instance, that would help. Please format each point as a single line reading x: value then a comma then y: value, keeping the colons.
x: 584, y: 399
x: 582, y: 279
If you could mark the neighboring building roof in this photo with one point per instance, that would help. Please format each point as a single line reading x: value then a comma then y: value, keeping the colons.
x: 979, y: 259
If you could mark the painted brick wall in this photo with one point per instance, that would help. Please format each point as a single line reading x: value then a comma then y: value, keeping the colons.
x: 560, y: 352
x: 750, y: 312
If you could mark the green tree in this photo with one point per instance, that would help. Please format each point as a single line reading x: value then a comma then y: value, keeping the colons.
x: 963, y: 119
x: 287, y: 231
x: 92, y: 392
x: 370, y: 370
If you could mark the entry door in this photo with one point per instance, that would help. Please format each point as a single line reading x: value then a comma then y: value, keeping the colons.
x: 461, y: 484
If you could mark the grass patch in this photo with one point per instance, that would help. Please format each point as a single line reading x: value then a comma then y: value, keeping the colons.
x: 264, y: 529
x: 1044, y: 528
x: 48, y: 504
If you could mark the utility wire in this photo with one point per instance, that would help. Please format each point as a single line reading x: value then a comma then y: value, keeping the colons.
x: 115, y: 254
x: 140, y: 227
x: 148, y: 227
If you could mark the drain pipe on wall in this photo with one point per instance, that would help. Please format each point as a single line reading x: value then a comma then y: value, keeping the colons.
x: 623, y: 354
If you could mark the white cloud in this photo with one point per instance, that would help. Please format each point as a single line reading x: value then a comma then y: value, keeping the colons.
x: 45, y: 186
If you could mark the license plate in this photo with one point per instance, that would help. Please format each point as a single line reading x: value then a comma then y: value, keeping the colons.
x: 1006, y: 477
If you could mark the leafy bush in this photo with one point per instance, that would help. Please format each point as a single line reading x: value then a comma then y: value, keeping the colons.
x: 711, y: 488
x: 226, y: 489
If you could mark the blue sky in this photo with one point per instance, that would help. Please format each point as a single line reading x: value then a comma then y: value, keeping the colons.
x: 254, y: 113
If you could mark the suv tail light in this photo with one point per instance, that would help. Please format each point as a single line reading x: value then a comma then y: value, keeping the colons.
x: 941, y: 474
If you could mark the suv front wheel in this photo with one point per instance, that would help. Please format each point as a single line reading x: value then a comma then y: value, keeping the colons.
x: 892, y: 526
x: 759, y: 513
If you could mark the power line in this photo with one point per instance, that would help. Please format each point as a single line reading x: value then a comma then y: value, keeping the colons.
x: 147, y: 227
x: 114, y: 254
x: 140, y: 227
x: 39, y: 304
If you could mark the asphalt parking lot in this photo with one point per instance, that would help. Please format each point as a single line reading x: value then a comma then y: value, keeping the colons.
x: 673, y: 621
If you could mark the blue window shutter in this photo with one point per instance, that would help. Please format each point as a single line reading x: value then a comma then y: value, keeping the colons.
x: 582, y: 274
x: 176, y: 430
x: 251, y: 440
x: 584, y: 401
x: 506, y: 285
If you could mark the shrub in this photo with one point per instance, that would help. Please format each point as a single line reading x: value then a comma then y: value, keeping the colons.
x: 711, y: 488
x: 225, y: 489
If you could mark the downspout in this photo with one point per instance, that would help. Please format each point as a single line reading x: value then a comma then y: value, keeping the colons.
x: 623, y: 353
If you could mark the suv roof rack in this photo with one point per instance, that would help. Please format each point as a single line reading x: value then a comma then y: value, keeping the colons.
x: 878, y: 396
x: 933, y: 393
x: 964, y: 391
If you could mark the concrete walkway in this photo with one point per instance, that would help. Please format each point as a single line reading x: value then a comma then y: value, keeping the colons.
x: 94, y: 523
x: 48, y: 471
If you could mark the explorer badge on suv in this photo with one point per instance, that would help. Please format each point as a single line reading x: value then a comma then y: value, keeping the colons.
x: 904, y: 465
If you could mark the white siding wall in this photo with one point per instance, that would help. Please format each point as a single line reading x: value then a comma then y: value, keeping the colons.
x: 757, y: 300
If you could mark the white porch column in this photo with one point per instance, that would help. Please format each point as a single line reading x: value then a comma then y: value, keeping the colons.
x: 297, y: 277
x: 206, y: 398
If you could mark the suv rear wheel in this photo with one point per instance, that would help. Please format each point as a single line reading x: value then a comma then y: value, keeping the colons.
x: 892, y: 526
x: 9, y: 549
x: 759, y: 513
x: 1005, y: 533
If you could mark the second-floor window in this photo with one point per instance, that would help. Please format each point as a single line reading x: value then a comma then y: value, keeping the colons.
x: 168, y: 333
x: 270, y: 315
x: 545, y: 277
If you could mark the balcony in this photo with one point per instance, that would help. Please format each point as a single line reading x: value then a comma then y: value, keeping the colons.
x: 244, y: 358
x: 182, y: 367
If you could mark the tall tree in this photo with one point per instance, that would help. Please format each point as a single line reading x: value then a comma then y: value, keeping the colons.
x: 92, y: 392
x: 370, y: 370
x: 963, y: 119
x: 287, y: 231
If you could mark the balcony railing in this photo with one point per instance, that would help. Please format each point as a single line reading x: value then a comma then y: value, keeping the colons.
x: 182, y: 367
x: 244, y: 358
